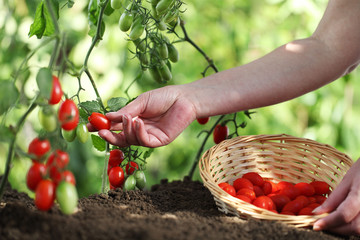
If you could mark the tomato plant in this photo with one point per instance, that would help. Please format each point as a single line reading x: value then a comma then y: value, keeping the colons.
x: 68, y: 115
x: 99, y: 121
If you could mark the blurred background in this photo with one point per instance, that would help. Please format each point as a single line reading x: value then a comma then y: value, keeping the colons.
x: 231, y: 32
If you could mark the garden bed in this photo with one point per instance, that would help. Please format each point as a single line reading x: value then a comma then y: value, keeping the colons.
x: 176, y: 210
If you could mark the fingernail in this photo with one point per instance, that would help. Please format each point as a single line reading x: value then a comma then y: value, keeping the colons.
x: 316, y: 228
x: 137, y: 123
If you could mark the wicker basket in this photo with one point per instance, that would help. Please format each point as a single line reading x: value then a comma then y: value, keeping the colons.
x: 276, y: 158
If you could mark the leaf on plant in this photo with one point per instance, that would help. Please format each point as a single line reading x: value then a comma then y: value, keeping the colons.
x: 43, y: 24
x: 70, y: 3
x: 93, y: 15
x: 90, y: 106
x: 98, y: 143
x: 5, y: 134
x: 8, y: 95
x: 44, y: 82
x: 148, y: 153
x: 83, y: 115
x: 116, y: 103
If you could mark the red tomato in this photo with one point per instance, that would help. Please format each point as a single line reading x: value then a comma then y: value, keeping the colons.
x: 291, y: 191
x: 280, y: 201
x: 283, y: 184
x: 244, y: 198
x: 303, y: 199
x: 293, y: 206
x: 255, y: 178
x: 45, y: 195
x: 116, y: 157
x: 35, y: 174
x: 227, y: 188
x: 68, y: 115
x: 267, y: 187
x: 203, y: 121
x: 306, y: 211
x: 68, y: 176
x: 55, y: 174
x: 99, y: 121
x: 258, y: 191
x: 58, y: 159
x: 130, y: 168
x: 116, y: 177
x: 38, y: 148
x: 320, y: 199
x: 288, y: 213
x: 313, y: 205
x: 305, y: 189
x: 56, y: 92
x: 242, y: 183
x: 321, y: 187
x: 247, y: 192
x: 220, y: 133
x: 312, y: 199
x: 274, y: 188
x: 264, y: 202
x: 109, y: 168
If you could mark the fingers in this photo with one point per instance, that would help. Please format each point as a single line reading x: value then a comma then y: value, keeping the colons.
x: 117, y: 139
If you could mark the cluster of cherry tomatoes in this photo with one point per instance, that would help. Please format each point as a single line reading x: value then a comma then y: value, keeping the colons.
x: 135, y: 178
x: 48, y: 176
x: 221, y: 132
x: 282, y: 197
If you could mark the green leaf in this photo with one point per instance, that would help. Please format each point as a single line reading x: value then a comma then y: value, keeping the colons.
x: 116, y: 103
x: 44, y: 82
x: 148, y: 153
x: 98, y: 143
x: 70, y: 3
x: 93, y: 16
x: 8, y: 95
x: 38, y: 26
x: 91, y: 106
x: 5, y: 134
x: 83, y: 115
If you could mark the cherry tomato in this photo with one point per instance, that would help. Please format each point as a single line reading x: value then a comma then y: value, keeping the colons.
x: 130, y: 183
x: 68, y: 115
x: 137, y: 29
x: 69, y: 136
x: 203, y: 121
x: 267, y: 187
x: 140, y: 179
x: 303, y: 199
x: 173, y: 53
x: 320, y: 187
x: 125, y: 21
x: 99, y: 121
x: 227, y: 188
x: 116, y: 177
x: 320, y: 199
x: 255, y: 178
x: 56, y: 92
x: 291, y: 191
x: 288, y: 213
x: 165, y: 73
x: 306, y: 211
x: 162, y: 6
x: 264, y: 202
x: 293, y: 206
x: 280, y: 201
x: 82, y: 133
x: 58, y: 159
x: 116, y: 157
x: 47, y: 120
x: 67, y: 197
x: 242, y: 183
x: 283, y: 184
x: 244, y: 198
x: 258, y: 191
x: 130, y: 168
x: 69, y: 177
x: 305, y: 189
x: 45, y: 195
x: 220, y: 133
x: 38, y: 148
x: 247, y: 192
x: 163, y: 50
x: 35, y: 174
x: 109, y: 168
x: 116, y: 4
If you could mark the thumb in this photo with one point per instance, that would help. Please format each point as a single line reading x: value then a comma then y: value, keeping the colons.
x: 134, y: 109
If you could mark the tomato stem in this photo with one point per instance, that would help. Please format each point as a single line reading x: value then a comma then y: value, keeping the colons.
x: 104, y: 174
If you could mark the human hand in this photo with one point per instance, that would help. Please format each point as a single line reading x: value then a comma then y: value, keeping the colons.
x: 343, y: 206
x: 153, y: 119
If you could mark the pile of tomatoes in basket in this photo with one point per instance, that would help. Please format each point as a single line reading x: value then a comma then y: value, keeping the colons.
x: 282, y: 197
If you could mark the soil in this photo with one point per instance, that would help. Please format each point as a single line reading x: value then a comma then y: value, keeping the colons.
x: 177, y: 210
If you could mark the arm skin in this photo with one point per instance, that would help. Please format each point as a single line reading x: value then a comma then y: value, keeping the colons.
x: 157, y: 117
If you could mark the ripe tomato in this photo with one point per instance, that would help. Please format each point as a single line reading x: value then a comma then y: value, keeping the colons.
x: 306, y: 211
x: 291, y: 191
x: 116, y: 157
x: 305, y: 189
x: 267, y: 187
x: 280, y: 201
x: 283, y: 184
x: 38, y: 148
x: 130, y: 168
x: 247, y: 192
x: 303, y: 199
x: 203, y: 121
x: 67, y: 197
x: 45, y: 195
x: 242, y: 183
x: 227, y: 188
x: 293, y: 206
x: 258, y: 191
x: 220, y: 133
x: 116, y: 177
x: 264, y: 202
x: 99, y: 121
x: 56, y: 91
x: 255, y: 178
x: 69, y: 177
x: 58, y: 159
x: 244, y: 198
x: 320, y: 187
x: 68, y: 115
x: 35, y: 174
x: 320, y: 199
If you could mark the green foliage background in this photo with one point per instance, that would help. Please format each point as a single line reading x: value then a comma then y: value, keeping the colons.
x: 231, y: 32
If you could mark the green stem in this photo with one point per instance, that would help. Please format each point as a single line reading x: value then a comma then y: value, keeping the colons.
x: 104, y: 174
x: 12, y: 146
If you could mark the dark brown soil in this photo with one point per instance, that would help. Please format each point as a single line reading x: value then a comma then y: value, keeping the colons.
x: 176, y: 210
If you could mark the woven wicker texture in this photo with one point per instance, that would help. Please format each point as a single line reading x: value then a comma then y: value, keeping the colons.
x: 276, y: 158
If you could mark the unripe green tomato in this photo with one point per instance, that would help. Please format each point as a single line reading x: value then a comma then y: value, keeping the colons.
x: 67, y: 197
x: 137, y: 29
x: 69, y: 136
x: 163, y: 6
x: 82, y: 132
x: 126, y: 19
x: 140, y: 44
x: 116, y: 4
x: 144, y: 59
x: 47, y: 120
x: 173, y: 53
x: 171, y: 16
x: 165, y: 73
x: 163, y: 51
x: 140, y: 179
x: 155, y: 74
x: 130, y: 183
x: 161, y: 25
